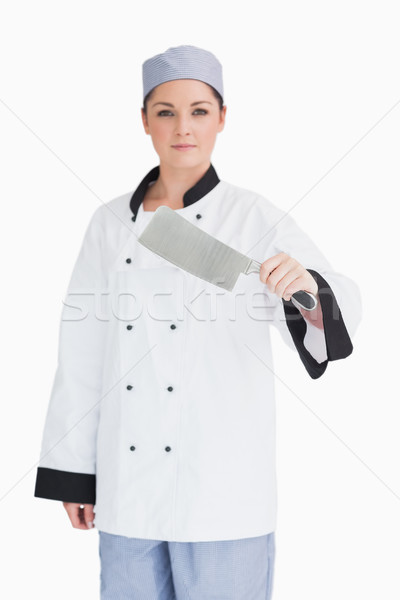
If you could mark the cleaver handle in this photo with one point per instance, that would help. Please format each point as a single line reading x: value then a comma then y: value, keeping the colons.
x: 300, y: 299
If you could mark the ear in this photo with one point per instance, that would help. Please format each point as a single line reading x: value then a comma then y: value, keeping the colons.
x: 144, y: 121
x: 222, y: 115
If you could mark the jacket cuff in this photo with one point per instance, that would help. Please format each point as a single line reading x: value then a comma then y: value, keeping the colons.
x: 65, y: 485
x: 337, y: 339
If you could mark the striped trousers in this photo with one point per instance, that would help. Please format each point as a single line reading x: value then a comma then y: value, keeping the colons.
x: 142, y: 569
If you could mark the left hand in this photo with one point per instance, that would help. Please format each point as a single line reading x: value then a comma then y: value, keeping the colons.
x: 80, y: 515
x: 284, y: 276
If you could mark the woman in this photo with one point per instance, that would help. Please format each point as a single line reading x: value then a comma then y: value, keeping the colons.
x: 161, y: 424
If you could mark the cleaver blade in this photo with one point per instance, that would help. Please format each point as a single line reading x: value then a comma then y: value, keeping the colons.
x: 174, y: 238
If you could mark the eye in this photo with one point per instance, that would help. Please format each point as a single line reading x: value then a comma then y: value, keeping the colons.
x: 163, y: 113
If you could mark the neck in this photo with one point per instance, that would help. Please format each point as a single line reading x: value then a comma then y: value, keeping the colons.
x: 173, y: 182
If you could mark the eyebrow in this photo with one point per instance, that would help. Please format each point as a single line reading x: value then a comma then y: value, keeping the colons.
x: 172, y: 106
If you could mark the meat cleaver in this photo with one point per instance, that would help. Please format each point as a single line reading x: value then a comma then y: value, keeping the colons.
x: 174, y: 238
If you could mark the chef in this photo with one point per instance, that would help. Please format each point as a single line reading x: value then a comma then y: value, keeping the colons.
x: 161, y: 420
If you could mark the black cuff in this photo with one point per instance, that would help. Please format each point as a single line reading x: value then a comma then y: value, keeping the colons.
x: 65, y: 486
x: 338, y: 342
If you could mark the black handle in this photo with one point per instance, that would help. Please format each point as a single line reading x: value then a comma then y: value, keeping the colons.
x: 304, y: 299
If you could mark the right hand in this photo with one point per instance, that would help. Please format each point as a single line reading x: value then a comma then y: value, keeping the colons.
x: 81, y: 518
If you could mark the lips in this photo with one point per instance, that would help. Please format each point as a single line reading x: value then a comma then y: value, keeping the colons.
x: 183, y: 147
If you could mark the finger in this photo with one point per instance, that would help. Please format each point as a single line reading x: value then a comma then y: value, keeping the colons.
x: 293, y: 287
x: 88, y: 515
x: 292, y: 282
x: 270, y: 264
x: 282, y: 276
x: 303, y: 282
x: 281, y: 273
x: 75, y: 515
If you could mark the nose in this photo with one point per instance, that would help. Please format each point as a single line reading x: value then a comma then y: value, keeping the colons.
x: 183, y: 125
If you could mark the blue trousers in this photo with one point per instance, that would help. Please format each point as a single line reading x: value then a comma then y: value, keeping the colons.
x: 141, y: 569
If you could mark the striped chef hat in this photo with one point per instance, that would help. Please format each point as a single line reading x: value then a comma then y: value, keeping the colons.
x: 182, y: 62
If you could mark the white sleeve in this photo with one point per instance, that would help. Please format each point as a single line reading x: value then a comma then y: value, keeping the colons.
x: 67, y: 462
x: 339, y: 296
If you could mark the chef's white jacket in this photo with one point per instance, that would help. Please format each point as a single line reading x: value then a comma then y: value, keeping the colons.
x: 162, y: 411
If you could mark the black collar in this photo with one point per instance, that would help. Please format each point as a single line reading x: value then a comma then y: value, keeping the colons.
x: 207, y: 182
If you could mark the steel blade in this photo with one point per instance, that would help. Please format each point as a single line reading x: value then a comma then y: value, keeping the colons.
x: 174, y: 238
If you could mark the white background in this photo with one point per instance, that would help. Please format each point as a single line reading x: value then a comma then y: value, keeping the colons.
x: 313, y: 116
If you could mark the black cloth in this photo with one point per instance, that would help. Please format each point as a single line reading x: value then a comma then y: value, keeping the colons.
x: 338, y: 342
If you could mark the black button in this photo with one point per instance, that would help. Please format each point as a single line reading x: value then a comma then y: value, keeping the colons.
x: 170, y: 388
x: 167, y: 449
x: 128, y: 260
x: 129, y: 326
x: 128, y: 387
x: 173, y: 326
x: 198, y: 216
x: 132, y: 448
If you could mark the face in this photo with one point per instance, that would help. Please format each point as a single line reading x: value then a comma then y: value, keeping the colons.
x: 183, y: 111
